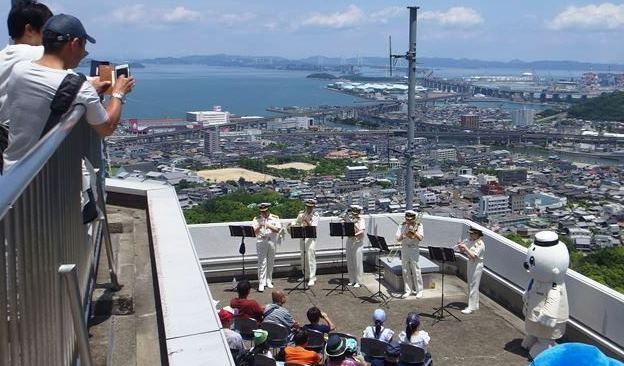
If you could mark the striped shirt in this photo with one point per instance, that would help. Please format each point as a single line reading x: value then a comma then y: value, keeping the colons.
x: 278, y: 314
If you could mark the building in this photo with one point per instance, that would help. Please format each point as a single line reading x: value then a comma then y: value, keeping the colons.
x: 444, y: 154
x: 428, y: 198
x: 509, y: 176
x: 356, y: 172
x: 292, y: 123
x: 211, y: 141
x: 522, y: 117
x: 542, y: 201
x: 209, y: 118
x: 469, y: 121
x: 493, y: 206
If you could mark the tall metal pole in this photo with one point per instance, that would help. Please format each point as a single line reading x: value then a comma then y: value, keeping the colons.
x: 411, y: 108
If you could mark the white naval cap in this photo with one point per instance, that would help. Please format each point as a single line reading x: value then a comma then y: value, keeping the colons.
x: 356, y: 208
x: 410, y: 213
x: 310, y: 202
x: 546, y: 238
x: 264, y: 206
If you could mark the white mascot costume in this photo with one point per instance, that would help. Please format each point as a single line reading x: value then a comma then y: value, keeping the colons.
x: 545, y: 300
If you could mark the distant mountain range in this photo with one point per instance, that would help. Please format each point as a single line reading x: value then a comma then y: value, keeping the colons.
x: 321, y: 63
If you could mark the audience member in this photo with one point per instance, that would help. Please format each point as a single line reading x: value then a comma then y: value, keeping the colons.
x: 340, y: 351
x: 298, y: 353
x: 247, y: 308
x: 32, y: 86
x: 235, y: 341
x: 261, y: 347
x: 25, y: 23
x: 314, y: 316
x: 277, y: 313
x: 377, y: 330
x: 414, y: 336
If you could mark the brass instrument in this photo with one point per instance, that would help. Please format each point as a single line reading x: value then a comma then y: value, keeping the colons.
x: 412, y: 228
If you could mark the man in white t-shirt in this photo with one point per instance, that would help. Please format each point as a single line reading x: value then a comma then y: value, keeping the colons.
x: 25, y: 23
x: 33, y: 84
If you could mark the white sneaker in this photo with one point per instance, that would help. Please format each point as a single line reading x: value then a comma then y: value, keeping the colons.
x: 405, y: 295
x: 356, y: 285
x: 467, y: 311
x: 299, y: 279
x: 419, y: 294
x: 311, y: 283
x: 350, y: 284
x: 269, y: 284
x: 260, y: 288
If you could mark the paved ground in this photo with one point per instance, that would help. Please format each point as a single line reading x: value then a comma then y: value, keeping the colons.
x: 490, y: 336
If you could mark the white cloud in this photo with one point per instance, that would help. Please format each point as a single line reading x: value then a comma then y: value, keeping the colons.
x: 236, y: 19
x: 351, y: 16
x: 181, y: 14
x: 130, y: 14
x: 458, y: 16
x: 606, y: 16
x: 386, y: 14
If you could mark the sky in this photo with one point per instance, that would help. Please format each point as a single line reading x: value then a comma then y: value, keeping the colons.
x: 499, y: 30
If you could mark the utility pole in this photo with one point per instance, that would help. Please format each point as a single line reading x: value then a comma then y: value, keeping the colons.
x: 410, y: 56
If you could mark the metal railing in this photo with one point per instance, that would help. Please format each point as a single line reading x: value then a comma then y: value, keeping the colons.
x: 42, y: 236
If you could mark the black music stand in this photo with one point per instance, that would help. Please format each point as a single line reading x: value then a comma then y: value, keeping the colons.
x: 341, y: 229
x: 242, y: 231
x: 303, y: 232
x: 378, y: 242
x: 443, y: 255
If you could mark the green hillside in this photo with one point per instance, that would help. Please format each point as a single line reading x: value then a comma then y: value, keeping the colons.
x: 607, y: 107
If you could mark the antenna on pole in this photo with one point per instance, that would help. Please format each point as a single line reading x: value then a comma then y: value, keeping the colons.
x: 390, y: 54
x: 410, y: 56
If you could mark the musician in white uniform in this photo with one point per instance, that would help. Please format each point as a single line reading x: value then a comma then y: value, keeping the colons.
x: 308, y: 217
x: 355, y: 264
x: 266, y: 226
x: 475, y: 251
x: 409, y: 234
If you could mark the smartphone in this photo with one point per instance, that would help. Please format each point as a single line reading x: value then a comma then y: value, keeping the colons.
x: 123, y: 69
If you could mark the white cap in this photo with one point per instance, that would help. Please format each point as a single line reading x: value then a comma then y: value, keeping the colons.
x: 356, y: 207
x: 546, y: 238
x: 410, y: 213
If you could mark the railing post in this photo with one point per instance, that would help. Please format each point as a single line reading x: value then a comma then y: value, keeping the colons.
x: 68, y: 271
x: 115, y: 286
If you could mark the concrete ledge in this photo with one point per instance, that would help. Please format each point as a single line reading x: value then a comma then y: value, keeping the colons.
x: 187, y: 314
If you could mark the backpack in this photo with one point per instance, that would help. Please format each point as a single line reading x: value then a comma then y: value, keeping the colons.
x: 63, y: 100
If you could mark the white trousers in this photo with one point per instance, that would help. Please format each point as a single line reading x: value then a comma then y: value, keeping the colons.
x: 355, y: 265
x: 474, y: 277
x: 308, y: 261
x: 412, y: 277
x: 266, y: 257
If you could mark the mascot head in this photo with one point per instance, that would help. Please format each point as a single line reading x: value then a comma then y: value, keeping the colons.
x: 547, y: 258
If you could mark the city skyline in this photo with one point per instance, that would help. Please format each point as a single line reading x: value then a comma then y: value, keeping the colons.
x: 486, y: 30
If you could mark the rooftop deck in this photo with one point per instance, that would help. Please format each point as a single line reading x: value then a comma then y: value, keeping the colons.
x: 490, y: 336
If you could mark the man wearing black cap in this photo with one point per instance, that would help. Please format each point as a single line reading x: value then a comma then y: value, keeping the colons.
x: 266, y: 226
x: 33, y: 85
x: 475, y: 251
x: 308, y: 217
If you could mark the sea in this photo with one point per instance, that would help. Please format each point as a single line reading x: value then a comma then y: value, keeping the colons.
x: 172, y: 90
x: 168, y: 91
